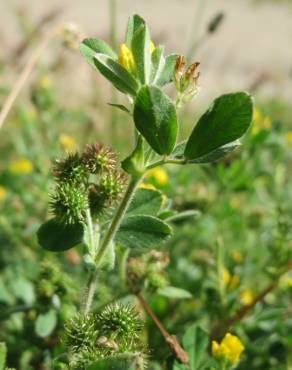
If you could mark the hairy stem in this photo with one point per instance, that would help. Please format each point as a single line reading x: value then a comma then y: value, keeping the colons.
x: 89, y: 291
x: 109, y: 236
x: 114, y: 226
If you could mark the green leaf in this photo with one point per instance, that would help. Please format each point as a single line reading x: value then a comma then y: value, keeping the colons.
x: 46, y: 323
x: 23, y: 290
x: 195, y: 342
x: 142, y: 54
x: 213, y: 156
x: 89, y: 47
x: 120, y: 107
x: 166, y: 75
x: 57, y: 237
x: 141, y: 232
x: 155, y: 118
x: 174, y: 293
x: 3, y: 354
x: 146, y: 202
x: 158, y: 63
x: 225, y: 121
x: 134, y: 163
x: 116, y: 74
x: 179, y: 216
x: 134, y: 23
x: 177, y: 366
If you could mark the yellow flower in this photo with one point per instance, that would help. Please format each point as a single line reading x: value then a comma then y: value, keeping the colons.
x: 289, y: 137
x: 159, y: 176
x: 147, y: 186
x: 226, y: 276
x: 67, y: 142
x: 260, y: 122
x: 21, y: 166
x: 246, y: 296
x: 126, y: 59
x: 229, y: 349
x: 237, y: 256
x: 3, y: 193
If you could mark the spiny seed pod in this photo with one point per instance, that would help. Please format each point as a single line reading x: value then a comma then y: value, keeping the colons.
x: 107, y: 192
x: 81, y: 332
x: 111, y: 185
x: 69, y: 203
x: 99, y: 158
x: 120, y: 321
x: 98, y: 201
x: 70, y: 170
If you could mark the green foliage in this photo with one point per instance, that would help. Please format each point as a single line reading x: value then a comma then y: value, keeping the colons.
x: 57, y: 236
x: 3, y: 352
x: 140, y: 46
x: 46, y: 323
x: 140, y: 232
x: 89, y: 47
x: 174, y: 293
x: 242, y: 201
x: 116, y: 74
x: 134, y: 163
x: 146, y: 202
x: 226, y: 120
x: 155, y: 118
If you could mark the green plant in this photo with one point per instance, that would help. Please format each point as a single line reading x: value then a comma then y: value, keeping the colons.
x: 91, y: 208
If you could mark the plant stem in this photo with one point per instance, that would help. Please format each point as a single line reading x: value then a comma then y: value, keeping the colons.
x: 244, y: 310
x: 111, y: 232
x: 180, y: 354
x: 109, y: 236
x: 89, y: 292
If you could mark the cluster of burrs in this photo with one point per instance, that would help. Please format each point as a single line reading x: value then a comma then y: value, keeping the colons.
x: 91, y: 181
x: 112, y: 333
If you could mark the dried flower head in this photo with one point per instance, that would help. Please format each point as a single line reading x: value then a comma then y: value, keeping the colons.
x: 99, y: 158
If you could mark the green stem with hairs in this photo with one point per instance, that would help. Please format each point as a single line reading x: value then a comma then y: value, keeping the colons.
x: 108, y: 238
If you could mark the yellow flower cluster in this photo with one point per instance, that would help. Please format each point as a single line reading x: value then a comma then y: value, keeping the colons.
x: 21, y: 166
x: 158, y: 175
x: 3, y: 193
x: 67, y: 142
x: 260, y: 122
x: 126, y: 57
x: 229, y: 349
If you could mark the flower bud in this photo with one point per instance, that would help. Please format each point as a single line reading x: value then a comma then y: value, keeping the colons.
x: 126, y: 59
